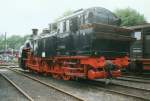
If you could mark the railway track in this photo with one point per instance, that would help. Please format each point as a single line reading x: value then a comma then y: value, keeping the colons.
x: 127, y: 91
x: 137, y: 75
x: 17, y: 87
x: 8, y: 65
x: 134, y: 79
x: 43, y: 83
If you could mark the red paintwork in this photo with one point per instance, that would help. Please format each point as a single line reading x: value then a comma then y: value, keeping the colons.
x: 145, y: 63
x: 146, y: 67
x: 70, y: 67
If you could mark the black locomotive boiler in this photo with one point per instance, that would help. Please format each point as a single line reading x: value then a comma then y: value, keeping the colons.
x: 86, y: 44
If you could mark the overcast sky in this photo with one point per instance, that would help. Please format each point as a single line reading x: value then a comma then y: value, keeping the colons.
x: 20, y: 16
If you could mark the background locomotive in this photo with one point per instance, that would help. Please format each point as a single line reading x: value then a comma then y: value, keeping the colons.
x: 86, y: 44
x: 140, y: 49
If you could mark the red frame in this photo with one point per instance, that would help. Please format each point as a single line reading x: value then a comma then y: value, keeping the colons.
x: 70, y: 67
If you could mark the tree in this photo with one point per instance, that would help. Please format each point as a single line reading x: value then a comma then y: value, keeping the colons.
x: 2, y: 42
x: 130, y: 17
x: 13, y: 42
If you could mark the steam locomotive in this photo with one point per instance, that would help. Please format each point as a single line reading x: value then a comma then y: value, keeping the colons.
x: 86, y: 44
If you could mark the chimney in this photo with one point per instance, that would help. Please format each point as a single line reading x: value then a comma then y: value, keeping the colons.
x: 34, y: 32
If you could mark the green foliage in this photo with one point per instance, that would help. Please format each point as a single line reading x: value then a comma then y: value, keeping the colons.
x: 130, y: 17
x: 13, y: 42
x: 2, y: 42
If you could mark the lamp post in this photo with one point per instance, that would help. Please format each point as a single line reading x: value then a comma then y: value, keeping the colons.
x: 5, y: 42
x: 6, y: 47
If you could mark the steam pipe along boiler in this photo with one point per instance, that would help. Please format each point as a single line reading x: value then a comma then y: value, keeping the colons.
x: 86, y: 44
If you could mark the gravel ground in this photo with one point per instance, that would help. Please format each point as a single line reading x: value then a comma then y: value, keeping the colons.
x: 83, y: 90
x: 9, y: 92
x: 36, y: 90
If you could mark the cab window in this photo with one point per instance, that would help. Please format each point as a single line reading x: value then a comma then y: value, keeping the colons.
x: 137, y: 35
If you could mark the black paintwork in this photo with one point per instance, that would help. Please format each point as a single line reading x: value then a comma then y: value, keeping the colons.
x: 141, y: 48
x: 100, y: 39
